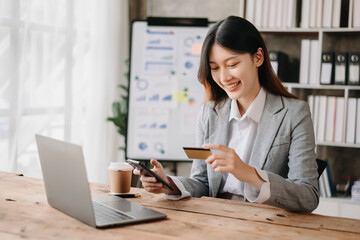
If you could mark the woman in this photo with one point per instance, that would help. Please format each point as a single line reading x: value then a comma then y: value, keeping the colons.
x: 261, y: 136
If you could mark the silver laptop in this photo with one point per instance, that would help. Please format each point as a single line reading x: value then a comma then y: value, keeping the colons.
x: 67, y: 188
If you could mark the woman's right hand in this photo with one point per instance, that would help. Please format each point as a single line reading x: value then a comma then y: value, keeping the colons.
x: 150, y: 184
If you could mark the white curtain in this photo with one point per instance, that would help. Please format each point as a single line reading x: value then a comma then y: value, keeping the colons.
x: 60, y: 64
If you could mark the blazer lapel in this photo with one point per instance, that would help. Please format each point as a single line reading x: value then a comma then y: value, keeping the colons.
x: 218, y: 128
x: 270, y: 122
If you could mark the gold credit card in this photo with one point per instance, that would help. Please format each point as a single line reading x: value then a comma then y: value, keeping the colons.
x: 197, y: 152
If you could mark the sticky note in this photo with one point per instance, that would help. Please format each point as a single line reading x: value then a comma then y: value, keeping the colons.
x: 181, y: 96
x: 196, y: 49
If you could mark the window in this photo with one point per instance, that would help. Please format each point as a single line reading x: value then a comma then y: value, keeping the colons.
x: 47, y: 53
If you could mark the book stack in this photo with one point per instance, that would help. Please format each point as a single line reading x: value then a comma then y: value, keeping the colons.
x: 340, y: 68
x: 334, y: 120
x: 337, y: 68
x: 299, y: 13
x: 271, y: 14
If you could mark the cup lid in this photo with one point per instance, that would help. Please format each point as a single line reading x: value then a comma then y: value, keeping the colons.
x: 120, y: 166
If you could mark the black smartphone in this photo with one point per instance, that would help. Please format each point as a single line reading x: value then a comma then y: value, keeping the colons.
x: 147, y: 172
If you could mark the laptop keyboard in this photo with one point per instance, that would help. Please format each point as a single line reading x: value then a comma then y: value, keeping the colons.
x: 105, y: 214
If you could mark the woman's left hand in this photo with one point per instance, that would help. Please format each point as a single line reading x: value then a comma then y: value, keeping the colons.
x: 229, y: 161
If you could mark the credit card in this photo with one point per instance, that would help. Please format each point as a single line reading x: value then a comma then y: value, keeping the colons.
x: 197, y: 152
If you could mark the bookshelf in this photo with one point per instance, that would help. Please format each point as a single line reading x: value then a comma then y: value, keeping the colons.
x: 282, y: 34
x: 344, y: 157
x: 339, y: 207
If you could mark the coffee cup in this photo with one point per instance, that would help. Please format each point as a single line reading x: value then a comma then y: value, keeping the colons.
x: 120, y: 177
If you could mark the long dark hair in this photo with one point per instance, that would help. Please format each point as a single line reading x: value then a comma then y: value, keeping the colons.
x: 237, y: 35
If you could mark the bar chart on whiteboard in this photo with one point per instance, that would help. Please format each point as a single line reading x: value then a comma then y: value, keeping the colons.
x: 165, y: 95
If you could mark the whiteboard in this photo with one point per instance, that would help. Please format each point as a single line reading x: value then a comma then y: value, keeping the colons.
x: 165, y: 95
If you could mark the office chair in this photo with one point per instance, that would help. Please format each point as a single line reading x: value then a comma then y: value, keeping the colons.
x: 321, y: 166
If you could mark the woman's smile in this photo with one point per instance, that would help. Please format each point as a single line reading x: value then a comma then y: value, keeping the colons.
x: 232, y: 87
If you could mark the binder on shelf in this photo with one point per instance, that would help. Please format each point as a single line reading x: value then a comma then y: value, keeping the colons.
x: 339, y: 120
x: 272, y: 13
x: 279, y: 14
x: 336, y: 13
x: 312, y: 10
x: 357, y: 126
x: 340, y: 68
x: 279, y: 61
x: 319, y: 8
x: 330, y: 118
x: 311, y: 105
x: 322, y: 118
x: 344, y: 13
x: 329, y: 179
x: 314, y: 63
x: 241, y: 8
x: 327, y: 68
x: 284, y: 13
x: 316, y: 114
x: 322, y: 186
x: 304, y: 61
x: 266, y: 13
x: 327, y: 13
x: 351, y: 121
x: 291, y: 13
x: 326, y: 183
x: 259, y: 8
x: 305, y: 14
x: 356, y: 14
x: 354, y: 69
x: 250, y: 11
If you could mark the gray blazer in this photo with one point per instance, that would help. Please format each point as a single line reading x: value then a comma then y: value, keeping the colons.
x: 284, y: 147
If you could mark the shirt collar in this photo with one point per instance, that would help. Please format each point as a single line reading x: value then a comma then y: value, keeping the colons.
x: 254, y: 111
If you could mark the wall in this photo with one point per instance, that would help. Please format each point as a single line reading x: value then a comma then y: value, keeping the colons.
x: 214, y: 10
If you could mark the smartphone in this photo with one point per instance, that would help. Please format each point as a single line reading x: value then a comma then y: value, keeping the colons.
x: 197, y: 152
x: 147, y: 172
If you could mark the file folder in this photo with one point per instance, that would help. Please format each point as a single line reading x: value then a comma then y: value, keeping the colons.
x: 330, y: 118
x: 304, y: 61
x: 327, y: 13
x: 279, y: 61
x: 327, y: 68
x: 321, y: 119
x: 339, y: 120
x: 351, y: 121
x: 354, y: 69
x: 314, y: 63
x: 357, y: 126
x: 341, y: 60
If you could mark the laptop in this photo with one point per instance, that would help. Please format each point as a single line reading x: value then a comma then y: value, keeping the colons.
x: 67, y: 188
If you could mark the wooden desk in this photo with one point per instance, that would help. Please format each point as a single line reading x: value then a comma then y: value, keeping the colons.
x: 24, y: 213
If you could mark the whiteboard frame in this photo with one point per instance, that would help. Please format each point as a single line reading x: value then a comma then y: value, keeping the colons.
x: 182, y: 158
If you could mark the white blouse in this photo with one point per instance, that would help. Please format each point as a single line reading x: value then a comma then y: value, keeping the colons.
x: 242, y: 134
